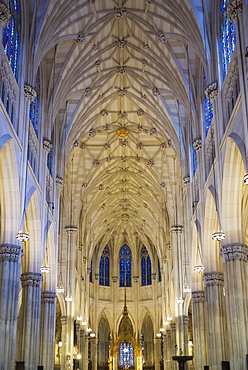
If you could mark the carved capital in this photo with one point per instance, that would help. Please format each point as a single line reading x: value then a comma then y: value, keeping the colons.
x: 176, y: 229
x: 197, y: 143
x: 186, y: 181
x: 4, y: 14
x: 212, y: 91
x: 214, y: 278
x: 59, y: 182
x: 173, y: 327
x: 48, y: 297
x: 233, y: 252
x: 115, y: 279
x: 11, y: 253
x: 71, y: 230
x: 33, y: 279
x: 198, y: 296
x: 136, y: 279
x: 47, y: 145
x: 185, y: 320
x: 29, y: 93
x: 96, y: 276
x: 234, y: 9
x: 63, y: 320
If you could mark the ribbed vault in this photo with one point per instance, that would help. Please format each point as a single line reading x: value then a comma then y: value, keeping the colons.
x: 122, y: 75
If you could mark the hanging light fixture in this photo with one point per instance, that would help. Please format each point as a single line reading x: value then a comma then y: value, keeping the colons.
x: 218, y: 235
x: 68, y: 298
x: 186, y: 289
x: 45, y: 268
x: 180, y: 300
x: 60, y: 288
x: 199, y: 268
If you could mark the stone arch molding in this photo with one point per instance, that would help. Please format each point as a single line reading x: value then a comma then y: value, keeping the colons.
x: 9, y: 192
x: 233, y: 190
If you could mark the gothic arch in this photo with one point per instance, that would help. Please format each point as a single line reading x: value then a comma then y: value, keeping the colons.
x: 9, y: 192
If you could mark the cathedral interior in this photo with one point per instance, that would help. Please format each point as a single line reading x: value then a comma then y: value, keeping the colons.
x: 124, y: 184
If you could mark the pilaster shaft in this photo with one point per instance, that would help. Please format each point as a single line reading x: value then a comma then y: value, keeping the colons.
x: 199, y: 329
x: 216, y: 319
x: 47, y: 329
x: 29, y: 320
x: 236, y: 289
x: 10, y: 259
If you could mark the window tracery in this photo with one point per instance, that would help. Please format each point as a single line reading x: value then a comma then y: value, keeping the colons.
x: 104, y: 267
x: 146, y: 273
x: 228, y: 38
x: 125, y: 265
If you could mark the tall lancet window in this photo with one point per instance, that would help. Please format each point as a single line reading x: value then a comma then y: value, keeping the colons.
x: 194, y: 159
x: 11, y: 42
x: 208, y: 109
x: 146, y: 272
x: 125, y: 259
x: 228, y: 37
x: 104, y: 267
x: 35, y: 105
x: 90, y: 277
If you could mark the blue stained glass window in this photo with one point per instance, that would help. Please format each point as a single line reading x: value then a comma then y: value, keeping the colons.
x: 228, y: 38
x: 35, y: 106
x: 104, y: 267
x: 126, y: 355
x: 146, y: 270
x: 159, y: 272
x: 90, y: 278
x: 208, y: 108
x: 11, y: 41
x: 125, y: 259
x: 194, y: 159
x: 50, y: 154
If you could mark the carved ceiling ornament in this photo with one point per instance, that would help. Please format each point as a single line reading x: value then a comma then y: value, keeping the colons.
x: 4, y: 14
x: 234, y: 10
x: 120, y: 13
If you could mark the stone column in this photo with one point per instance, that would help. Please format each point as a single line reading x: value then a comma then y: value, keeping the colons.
x: 185, y: 335
x: 157, y: 352
x: 174, y: 346
x: 63, y: 339
x: 199, y: 329
x: 47, y: 329
x: 85, y: 353
x: 29, y: 320
x: 10, y: 260
x: 236, y: 290
x: 81, y: 348
x: 93, y: 343
x: 168, y: 353
x: 216, y: 319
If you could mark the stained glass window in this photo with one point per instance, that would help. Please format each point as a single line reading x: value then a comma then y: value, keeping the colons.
x: 208, y: 108
x: 146, y: 272
x: 126, y: 355
x: 194, y: 159
x: 104, y: 267
x: 90, y: 278
x: 34, y: 106
x: 228, y: 38
x: 50, y: 154
x: 159, y: 272
x: 11, y: 42
x: 125, y: 266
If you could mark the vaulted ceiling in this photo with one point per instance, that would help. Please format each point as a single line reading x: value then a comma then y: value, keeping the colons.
x: 122, y: 79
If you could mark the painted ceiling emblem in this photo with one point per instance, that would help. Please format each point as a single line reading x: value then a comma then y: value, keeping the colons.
x: 80, y: 38
x: 156, y: 92
x: 143, y: 96
x: 145, y: 46
x: 140, y: 112
x: 153, y: 131
x: 122, y: 132
x: 122, y: 115
x: 92, y: 132
x: 123, y: 143
x: 121, y: 70
x: 120, y: 13
x: 150, y: 163
x: 161, y: 37
x: 98, y: 63
x: 139, y: 145
x: 121, y: 92
x: 104, y: 112
x: 96, y: 163
x: 121, y: 44
x: 87, y: 92
x: 162, y: 185
x: 144, y: 62
x: 84, y: 185
x: 140, y: 128
x: 106, y: 127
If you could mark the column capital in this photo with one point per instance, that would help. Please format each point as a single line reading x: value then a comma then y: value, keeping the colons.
x: 233, y: 252
x: 29, y: 92
x: 214, y: 278
x: 176, y: 229
x: 115, y: 279
x: 211, y: 91
x: 10, y: 252
x: 136, y: 279
x: 234, y: 9
x: 48, y: 297
x: 31, y: 279
x: 185, y: 320
x: 63, y: 320
x: 197, y: 143
x: 59, y: 182
x: 198, y: 296
x: 173, y: 326
x: 71, y: 230
x: 4, y: 14
x: 47, y: 145
x: 186, y: 181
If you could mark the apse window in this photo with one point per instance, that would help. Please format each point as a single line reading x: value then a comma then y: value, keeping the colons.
x: 125, y: 266
x: 126, y: 355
